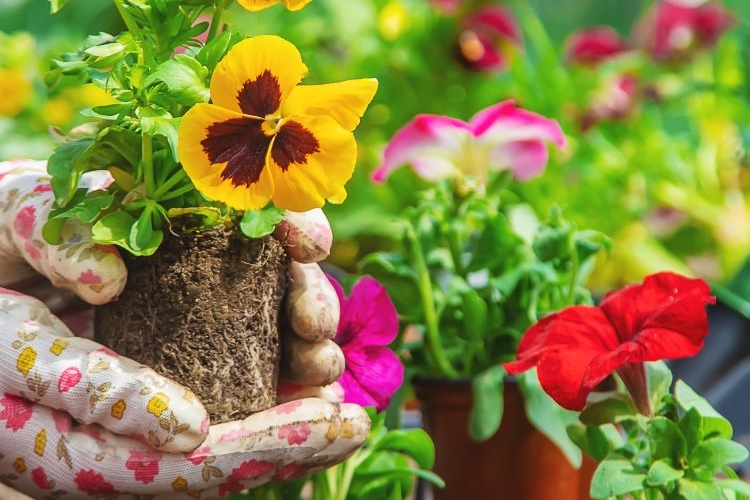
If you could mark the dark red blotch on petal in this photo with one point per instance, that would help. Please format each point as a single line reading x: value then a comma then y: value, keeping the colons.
x: 260, y: 97
x: 292, y: 145
x: 242, y: 145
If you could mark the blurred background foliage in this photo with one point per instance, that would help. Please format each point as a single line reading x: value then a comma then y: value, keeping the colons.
x: 667, y: 179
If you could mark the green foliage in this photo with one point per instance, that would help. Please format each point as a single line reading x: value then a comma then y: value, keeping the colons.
x: 682, y: 452
x: 385, y: 467
x: 135, y: 138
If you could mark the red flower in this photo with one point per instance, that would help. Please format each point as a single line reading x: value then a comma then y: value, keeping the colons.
x: 578, y: 347
x: 92, y: 483
x: 15, y: 411
x: 590, y: 46
x: 488, y: 36
x: 674, y: 31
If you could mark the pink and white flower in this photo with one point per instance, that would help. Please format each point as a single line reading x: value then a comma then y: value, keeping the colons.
x: 500, y: 137
x: 369, y: 322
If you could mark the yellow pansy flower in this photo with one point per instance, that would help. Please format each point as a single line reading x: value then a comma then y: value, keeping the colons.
x: 255, y: 5
x: 15, y: 92
x: 266, y: 138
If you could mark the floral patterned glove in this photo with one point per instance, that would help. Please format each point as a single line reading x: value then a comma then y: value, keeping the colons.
x: 77, y: 418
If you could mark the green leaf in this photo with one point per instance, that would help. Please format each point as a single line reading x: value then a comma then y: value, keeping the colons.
x: 661, y: 474
x: 691, y: 425
x: 714, y: 453
x: 666, y: 440
x: 398, y: 276
x: 608, y: 410
x: 185, y: 78
x: 659, y: 381
x: 211, y: 53
x: 698, y: 490
x: 548, y: 417
x: 89, y: 209
x: 105, y: 50
x: 66, y: 165
x: 258, y: 223
x: 142, y: 232
x: 158, y: 121
x: 56, y: 5
x: 616, y: 476
x: 113, y: 228
x: 737, y: 485
x: 414, y: 443
x: 487, y: 409
x: 713, y: 422
x: 52, y: 230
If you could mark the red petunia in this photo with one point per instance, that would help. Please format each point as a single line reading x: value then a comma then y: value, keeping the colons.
x: 578, y: 347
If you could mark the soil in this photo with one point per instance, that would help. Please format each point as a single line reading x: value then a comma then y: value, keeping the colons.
x: 204, y: 311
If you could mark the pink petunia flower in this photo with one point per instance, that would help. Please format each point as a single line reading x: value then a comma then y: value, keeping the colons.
x: 617, y: 99
x: 578, y: 347
x: 674, y: 31
x: 500, y: 137
x: 591, y: 46
x: 368, y: 323
x: 487, y: 38
x: 446, y: 7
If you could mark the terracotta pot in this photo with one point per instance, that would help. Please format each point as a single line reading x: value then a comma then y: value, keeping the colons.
x: 517, y: 463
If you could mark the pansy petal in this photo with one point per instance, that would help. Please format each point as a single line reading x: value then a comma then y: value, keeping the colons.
x: 311, y: 158
x: 505, y: 122
x: 526, y: 159
x: 256, y: 5
x: 370, y: 311
x: 426, y: 136
x: 339, y: 197
x: 257, y: 75
x: 295, y: 4
x: 345, y: 102
x: 224, y: 153
x: 375, y: 373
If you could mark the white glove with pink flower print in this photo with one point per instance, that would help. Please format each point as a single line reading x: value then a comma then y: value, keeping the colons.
x: 75, y: 417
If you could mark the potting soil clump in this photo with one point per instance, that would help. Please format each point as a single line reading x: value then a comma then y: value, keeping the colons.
x: 204, y: 311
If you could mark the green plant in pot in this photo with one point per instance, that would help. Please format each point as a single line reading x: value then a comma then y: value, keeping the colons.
x: 475, y: 267
x: 211, y: 145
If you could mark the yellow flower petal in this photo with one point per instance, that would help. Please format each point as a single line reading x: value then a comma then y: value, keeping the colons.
x: 295, y: 4
x: 223, y: 158
x: 339, y: 197
x: 255, y: 5
x: 305, y: 183
x: 257, y: 75
x: 345, y: 101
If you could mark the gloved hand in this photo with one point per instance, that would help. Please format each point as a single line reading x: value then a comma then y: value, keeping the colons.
x: 77, y: 418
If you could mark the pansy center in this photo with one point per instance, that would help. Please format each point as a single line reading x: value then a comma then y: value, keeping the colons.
x: 271, y: 124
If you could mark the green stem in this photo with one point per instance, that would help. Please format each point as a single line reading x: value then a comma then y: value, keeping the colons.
x: 129, y: 23
x: 162, y: 190
x: 147, y: 159
x: 433, y: 342
x: 176, y: 193
x: 345, y: 473
x: 221, y: 7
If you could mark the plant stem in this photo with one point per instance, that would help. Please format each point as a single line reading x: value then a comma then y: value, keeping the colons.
x: 129, y: 23
x: 221, y: 7
x: 169, y: 184
x: 147, y: 159
x: 433, y: 342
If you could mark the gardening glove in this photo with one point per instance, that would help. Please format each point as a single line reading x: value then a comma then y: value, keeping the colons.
x: 75, y: 417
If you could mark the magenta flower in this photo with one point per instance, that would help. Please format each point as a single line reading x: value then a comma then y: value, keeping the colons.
x: 591, y: 46
x: 617, y: 99
x: 674, y: 30
x: 500, y: 137
x: 368, y: 323
x: 487, y: 38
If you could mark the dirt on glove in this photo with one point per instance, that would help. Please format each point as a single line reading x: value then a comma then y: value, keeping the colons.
x: 204, y: 311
